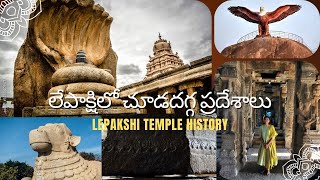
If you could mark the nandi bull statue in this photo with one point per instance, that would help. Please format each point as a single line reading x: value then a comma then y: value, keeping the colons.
x: 58, y: 157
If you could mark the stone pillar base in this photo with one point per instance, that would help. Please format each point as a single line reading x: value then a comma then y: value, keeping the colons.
x: 202, y: 151
x: 229, y: 160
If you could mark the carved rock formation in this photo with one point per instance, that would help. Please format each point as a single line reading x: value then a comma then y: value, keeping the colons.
x: 54, y: 37
x: 58, y: 157
x: 267, y: 47
x: 77, y: 73
x: 79, y: 79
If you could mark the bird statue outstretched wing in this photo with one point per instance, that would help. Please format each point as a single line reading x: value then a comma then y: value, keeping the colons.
x: 245, y: 13
x: 282, y: 12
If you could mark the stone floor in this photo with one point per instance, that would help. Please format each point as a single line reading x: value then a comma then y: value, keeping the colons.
x: 252, y: 171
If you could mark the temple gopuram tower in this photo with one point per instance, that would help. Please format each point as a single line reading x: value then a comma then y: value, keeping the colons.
x: 164, y: 59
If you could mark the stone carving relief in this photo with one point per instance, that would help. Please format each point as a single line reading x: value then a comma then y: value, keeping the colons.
x: 63, y: 28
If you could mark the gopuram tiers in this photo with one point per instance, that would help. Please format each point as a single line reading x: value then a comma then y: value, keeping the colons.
x: 164, y: 59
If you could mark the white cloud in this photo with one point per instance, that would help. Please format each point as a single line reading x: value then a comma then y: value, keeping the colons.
x: 186, y: 23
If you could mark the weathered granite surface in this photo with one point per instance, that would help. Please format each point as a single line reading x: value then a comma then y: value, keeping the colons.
x: 58, y: 157
x: 80, y: 72
x: 54, y: 37
x: 267, y: 47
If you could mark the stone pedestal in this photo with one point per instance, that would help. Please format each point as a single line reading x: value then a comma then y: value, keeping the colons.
x: 229, y: 160
x: 202, y: 151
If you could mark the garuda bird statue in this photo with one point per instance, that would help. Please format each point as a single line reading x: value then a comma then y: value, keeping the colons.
x: 264, y: 18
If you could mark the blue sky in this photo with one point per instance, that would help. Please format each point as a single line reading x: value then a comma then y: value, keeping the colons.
x: 14, y: 136
x: 229, y: 28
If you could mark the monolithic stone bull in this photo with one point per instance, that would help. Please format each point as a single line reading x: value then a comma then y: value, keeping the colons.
x: 58, y: 157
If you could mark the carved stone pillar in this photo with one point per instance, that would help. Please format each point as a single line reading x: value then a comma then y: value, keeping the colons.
x: 171, y: 91
x: 284, y: 94
x: 307, y: 93
x: 217, y: 83
x: 289, y: 114
x: 246, y: 119
x: 283, y: 102
x: 191, y: 88
x: 229, y: 160
x: 254, y: 111
x: 144, y: 110
x: 231, y: 145
x: 312, y: 136
x: 316, y: 94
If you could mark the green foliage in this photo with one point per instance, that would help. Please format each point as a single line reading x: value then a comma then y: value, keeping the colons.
x: 21, y: 169
x: 8, y: 173
x: 90, y: 156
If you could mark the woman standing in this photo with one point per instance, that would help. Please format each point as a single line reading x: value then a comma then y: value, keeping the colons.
x: 267, y: 156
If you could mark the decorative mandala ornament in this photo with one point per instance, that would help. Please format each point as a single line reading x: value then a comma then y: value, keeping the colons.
x: 303, y: 165
x: 15, y: 14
